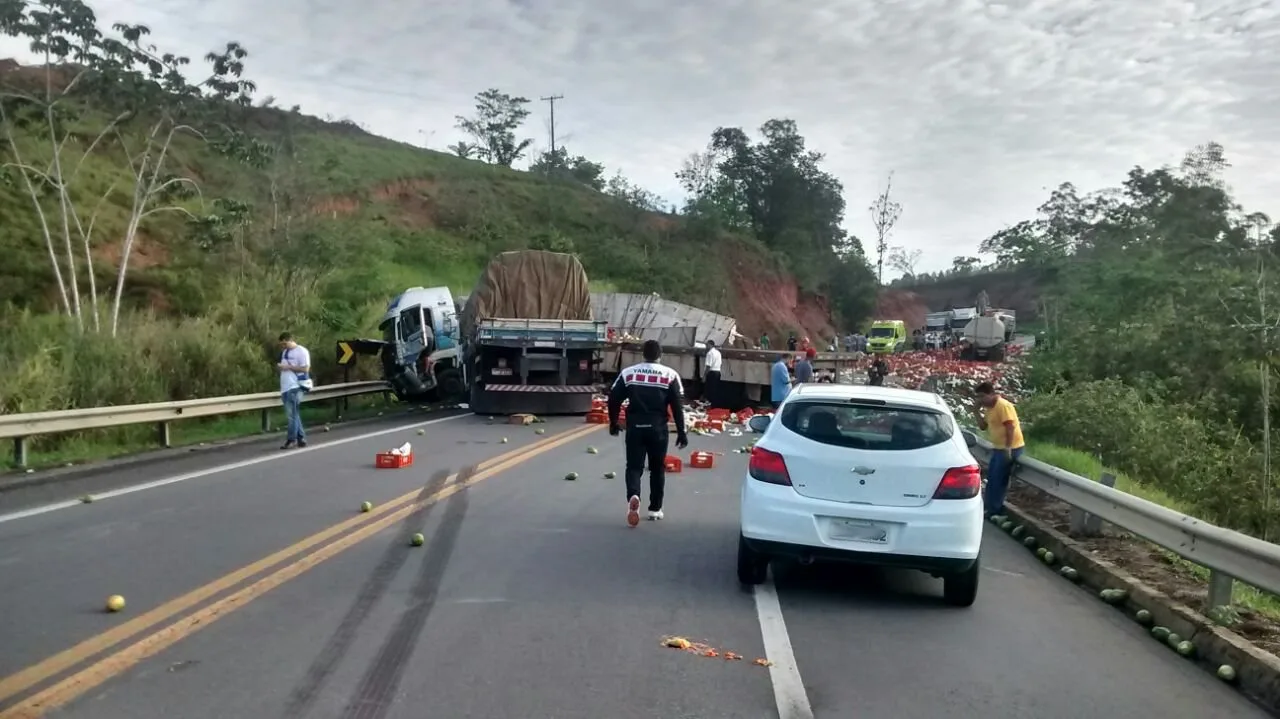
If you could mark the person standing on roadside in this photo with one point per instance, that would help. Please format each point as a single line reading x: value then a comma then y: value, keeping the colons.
x: 652, y: 388
x: 764, y: 340
x: 999, y: 418
x: 295, y: 379
x: 711, y: 374
x: 779, y: 381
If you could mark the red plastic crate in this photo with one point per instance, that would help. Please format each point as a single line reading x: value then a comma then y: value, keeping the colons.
x: 702, y: 460
x: 597, y: 417
x: 673, y: 464
x: 718, y: 414
x: 387, y: 460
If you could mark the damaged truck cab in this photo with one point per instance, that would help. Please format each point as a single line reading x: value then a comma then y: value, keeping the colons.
x: 422, y: 355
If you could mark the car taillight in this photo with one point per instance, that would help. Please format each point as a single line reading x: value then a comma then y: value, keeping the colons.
x: 960, y: 483
x: 768, y: 467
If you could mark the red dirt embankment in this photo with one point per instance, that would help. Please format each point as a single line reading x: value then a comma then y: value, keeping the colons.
x: 769, y: 300
x: 901, y: 305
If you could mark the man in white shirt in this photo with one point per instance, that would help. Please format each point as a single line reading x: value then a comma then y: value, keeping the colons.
x: 711, y: 374
x: 295, y: 379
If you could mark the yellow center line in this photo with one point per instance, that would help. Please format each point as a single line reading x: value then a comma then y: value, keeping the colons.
x: 68, y: 689
x: 26, y: 678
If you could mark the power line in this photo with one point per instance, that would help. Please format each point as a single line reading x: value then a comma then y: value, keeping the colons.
x: 552, y: 100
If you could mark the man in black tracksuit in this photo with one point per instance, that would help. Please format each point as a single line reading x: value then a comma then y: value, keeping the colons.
x: 652, y: 388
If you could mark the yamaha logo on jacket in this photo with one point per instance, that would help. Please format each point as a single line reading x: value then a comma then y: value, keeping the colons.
x: 651, y: 388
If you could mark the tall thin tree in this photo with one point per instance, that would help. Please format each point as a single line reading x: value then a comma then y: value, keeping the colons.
x: 884, y: 215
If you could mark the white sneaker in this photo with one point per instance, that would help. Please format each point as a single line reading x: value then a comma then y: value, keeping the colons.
x: 655, y: 516
x: 633, y: 511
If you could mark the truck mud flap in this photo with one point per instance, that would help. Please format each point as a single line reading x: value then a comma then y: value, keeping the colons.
x: 551, y: 388
x: 521, y: 400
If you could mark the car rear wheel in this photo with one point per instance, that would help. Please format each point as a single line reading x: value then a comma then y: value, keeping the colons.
x: 960, y: 590
x: 753, y: 567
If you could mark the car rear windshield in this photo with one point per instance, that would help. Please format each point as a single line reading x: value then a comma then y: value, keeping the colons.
x: 867, y: 426
x: 881, y: 332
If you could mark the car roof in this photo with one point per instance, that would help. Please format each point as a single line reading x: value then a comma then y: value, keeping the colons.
x: 895, y: 395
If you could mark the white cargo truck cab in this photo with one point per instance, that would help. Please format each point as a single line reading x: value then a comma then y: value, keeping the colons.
x: 422, y: 357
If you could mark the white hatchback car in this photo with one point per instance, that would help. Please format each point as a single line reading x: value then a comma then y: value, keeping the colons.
x: 871, y: 475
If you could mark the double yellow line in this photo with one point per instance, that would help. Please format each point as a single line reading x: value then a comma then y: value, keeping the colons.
x: 349, y: 533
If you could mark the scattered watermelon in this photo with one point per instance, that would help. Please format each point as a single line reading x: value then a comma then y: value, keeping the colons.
x: 1186, y: 649
x: 1029, y: 542
x: 571, y: 476
x: 1049, y: 557
x: 1070, y: 573
x: 1017, y: 531
x: 1227, y: 673
x: 1113, y: 596
x: 1143, y: 616
x: 610, y: 475
x: 1161, y: 633
x: 1006, y: 525
x: 1041, y: 552
x: 1173, y: 640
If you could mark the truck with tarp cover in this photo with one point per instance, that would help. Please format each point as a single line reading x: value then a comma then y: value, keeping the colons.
x: 530, y: 341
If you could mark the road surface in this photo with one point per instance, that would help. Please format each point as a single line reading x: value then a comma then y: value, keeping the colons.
x: 255, y: 588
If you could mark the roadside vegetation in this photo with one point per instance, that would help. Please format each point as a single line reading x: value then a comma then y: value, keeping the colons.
x: 164, y: 223
x: 1160, y: 335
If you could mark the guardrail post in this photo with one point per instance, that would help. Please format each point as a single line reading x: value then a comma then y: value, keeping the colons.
x: 1220, y: 588
x: 162, y: 433
x: 20, y: 451
x: 1084, y: 524
x: 266, y: 421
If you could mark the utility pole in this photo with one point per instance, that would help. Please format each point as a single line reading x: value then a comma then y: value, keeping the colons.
x: 552, y: 100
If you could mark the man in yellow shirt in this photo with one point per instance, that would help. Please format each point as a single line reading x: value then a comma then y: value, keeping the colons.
x: 1000, y: 419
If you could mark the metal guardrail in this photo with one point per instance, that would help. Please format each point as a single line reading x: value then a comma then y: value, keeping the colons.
x: 20, y: 427
x: 1229, y: 555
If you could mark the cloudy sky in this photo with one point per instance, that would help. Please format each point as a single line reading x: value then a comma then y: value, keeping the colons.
x: 977, y: 106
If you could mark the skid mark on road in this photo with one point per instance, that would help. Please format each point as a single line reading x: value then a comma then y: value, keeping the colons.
x: 377, y: 690
x: 304, y: 695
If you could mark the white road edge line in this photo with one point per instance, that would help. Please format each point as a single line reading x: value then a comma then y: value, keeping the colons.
x: 788, y: 687
x: 46, y: 508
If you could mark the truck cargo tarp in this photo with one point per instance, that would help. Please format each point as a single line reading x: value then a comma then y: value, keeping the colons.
x: 529, y: 285
x: 649, y: 317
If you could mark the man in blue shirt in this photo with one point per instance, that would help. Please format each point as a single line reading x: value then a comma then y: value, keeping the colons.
x: 780, y: 381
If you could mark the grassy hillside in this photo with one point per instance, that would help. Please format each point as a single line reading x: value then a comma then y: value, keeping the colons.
x: 315, y: 241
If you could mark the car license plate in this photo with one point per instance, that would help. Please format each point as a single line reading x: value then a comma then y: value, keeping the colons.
x: 859, y: 531
x: 504, y: 371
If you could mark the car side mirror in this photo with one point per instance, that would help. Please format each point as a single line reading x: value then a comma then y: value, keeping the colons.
x: 759, y: 423
x: 970, y: 438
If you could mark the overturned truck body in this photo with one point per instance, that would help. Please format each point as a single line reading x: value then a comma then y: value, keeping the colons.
x: 532, y: 343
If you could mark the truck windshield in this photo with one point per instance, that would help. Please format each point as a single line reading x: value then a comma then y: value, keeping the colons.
x: 881, y: 332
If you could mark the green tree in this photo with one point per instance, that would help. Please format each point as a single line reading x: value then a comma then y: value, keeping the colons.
x: 775, y: 191
x: 623, y: 189
x: 558, y: 164
x: 498, y: 116
x: 151, y: 103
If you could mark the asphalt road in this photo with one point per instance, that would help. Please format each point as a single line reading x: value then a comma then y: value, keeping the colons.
x: 530, y: 599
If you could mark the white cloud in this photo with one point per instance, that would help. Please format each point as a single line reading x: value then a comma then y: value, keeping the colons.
x: 979, y: 106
